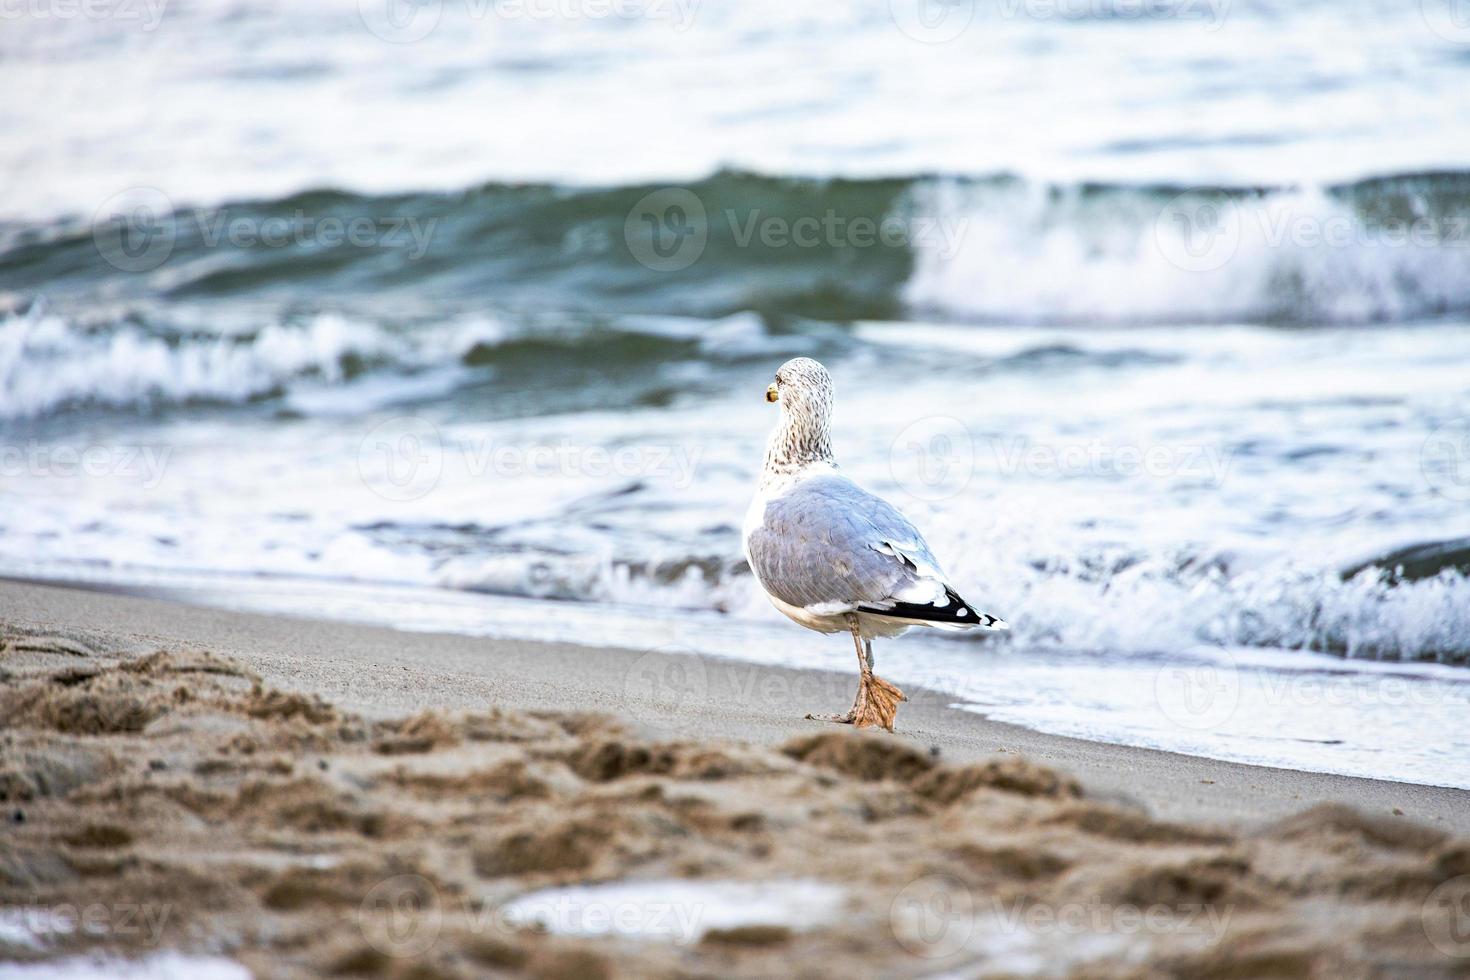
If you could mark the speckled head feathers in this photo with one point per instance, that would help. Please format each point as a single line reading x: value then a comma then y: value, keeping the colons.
x: 805, y: 387
x: 804, y: 434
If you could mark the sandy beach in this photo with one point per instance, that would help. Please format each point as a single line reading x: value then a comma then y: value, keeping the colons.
x: 301, y: 798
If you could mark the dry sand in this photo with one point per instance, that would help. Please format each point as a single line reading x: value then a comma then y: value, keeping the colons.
x: 310, y: 798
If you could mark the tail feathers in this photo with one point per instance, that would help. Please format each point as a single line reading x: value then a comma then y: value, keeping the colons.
x: 955, y: 613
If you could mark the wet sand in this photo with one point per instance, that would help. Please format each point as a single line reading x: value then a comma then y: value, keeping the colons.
x: 309, y: 798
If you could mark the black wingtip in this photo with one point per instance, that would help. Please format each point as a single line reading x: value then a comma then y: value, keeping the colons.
x: 957, y: 612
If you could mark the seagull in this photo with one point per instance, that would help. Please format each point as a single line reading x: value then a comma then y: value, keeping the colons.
x: 832, y: 556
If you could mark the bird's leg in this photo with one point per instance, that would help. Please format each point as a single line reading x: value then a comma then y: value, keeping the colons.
x: 877, y: 700
x: 864, y: 667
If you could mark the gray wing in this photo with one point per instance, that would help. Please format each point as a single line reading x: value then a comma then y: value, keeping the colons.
x: 829, y: 543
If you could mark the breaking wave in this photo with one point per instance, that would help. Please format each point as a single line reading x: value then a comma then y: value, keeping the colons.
x: 1001, y: 248
x: 49, y: 362
x: 1376, y: 251
x: 326, y: 362
x: 1137, y: 604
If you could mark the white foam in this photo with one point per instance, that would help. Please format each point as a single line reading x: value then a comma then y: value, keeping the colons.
x: 1027, y: 251
x: 48, y: 361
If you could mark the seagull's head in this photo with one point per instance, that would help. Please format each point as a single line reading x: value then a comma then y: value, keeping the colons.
x: 803, y: 387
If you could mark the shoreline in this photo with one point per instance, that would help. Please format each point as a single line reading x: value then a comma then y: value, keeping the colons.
x: 380, y: 672
x: 231, y: 795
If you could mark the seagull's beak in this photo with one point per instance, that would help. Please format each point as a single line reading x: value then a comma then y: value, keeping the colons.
x: 772, y: 395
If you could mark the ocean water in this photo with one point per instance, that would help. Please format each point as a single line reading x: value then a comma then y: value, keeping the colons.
x: 458, y: 315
